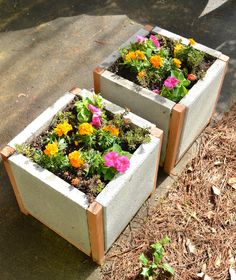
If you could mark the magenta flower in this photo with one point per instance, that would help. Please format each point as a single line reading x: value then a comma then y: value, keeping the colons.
x: 157, y: 91
x: 141, y: 39
x: 96, y: 121
x: 110, y: 159
x: 122, y: 164
x: 155, y: 41
x: 171, y: 82
x: 94, y: 110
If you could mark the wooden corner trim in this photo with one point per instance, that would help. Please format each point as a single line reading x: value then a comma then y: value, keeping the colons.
x: 158, y: 133
x: 175, y: 130
x: 75, y: 90
x: 96, y: 232
x: 6, y: 152
x: 97, y: 72
x: 148, y: 27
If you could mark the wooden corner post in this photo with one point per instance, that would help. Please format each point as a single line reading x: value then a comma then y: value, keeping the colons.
x: 5, y: 154
x: 96, y: 232
x: 97, y: 78
x: 175, y: 130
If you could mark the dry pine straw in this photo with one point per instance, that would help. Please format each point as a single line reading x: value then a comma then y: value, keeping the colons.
x: 201, y: 224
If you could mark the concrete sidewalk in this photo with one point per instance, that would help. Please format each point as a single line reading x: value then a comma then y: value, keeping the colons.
x: 48, y: 47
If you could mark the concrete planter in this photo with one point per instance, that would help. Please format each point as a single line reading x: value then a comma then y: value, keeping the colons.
x: 90, y: 227
x: 181, y: 122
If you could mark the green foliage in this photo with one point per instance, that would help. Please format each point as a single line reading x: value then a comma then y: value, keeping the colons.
x: 152, y: 268
x: 26, y: 150
x: 63, y: 116
x: 105, y: 140
x: 94, y: 162
x: 190, y: 56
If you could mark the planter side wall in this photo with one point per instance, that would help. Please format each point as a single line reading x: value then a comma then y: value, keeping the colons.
x: 123, y: 197
x: 200, y: 105
x: 52, y: 201
x: 140, y: 101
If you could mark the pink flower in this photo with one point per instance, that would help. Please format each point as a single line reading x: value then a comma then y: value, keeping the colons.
x: 155, y: 41
x: 110, y: 159
x: 157, y: 91
x: 94, y: 110
x: 96, y: 121
x: 171, y: 82
x: 122, y: 164
x: 141, y: 39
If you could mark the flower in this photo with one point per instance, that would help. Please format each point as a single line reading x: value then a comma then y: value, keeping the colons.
x: 94, y: 110
x: 96, y: 121
x: 85, y: 129
x: 156, y: 61
x: 157, y: 91
x: 155, y: 41
x: 122, y: 164
x: 141, y: 74
x: 76, y: 143
x: 171, y: 82
x: 135, y: 55
x: 110, y: 159
x: 75, y: 181
x: 112, y: 129
x: 51, y: 149
x: 130, y: 55
x: 139, y: 54
x: 191, y: 77
x: 177, y: 62
x: 177, y: 48
x: 62, y: 128
x: 191, y: 41
x: 141, y: 39
x: 75, y: 159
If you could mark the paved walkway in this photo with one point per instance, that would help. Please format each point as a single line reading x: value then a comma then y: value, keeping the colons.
x: 48, y: 47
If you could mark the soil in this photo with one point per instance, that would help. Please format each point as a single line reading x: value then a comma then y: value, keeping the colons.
x: 200, y: 221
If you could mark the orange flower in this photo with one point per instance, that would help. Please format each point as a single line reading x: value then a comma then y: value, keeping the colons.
x: 191, y: 41
x: 177, y: 62
x: 62, y: 128
x: 85, y: 129
x: 113, y: 130
x: 156, y: 61
x: 177, y: 48
x: 139, y: 54
x: 135, y: 55
x: 51, y: 149
x: 75, y: 159
x: 141, y: 74
x: 75, y: 181
x: 130, y: 55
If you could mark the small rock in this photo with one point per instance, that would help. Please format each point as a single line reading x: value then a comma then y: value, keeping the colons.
x: 216, y: 190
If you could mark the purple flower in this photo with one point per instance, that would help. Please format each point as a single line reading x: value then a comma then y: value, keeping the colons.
x: 157, y: 91
x: 122, y: 164
x: 141, y: 39
x: 155, y: 41
x: 110, y: 159
x: 96, y: 121
x: 94, y: 110
x: 171, y: 82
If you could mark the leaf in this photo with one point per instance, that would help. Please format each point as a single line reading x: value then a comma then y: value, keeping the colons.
x: 206, y: 277
x: 191, y: 247
x: 232, y: 273
x: 143, y: 259
x: 165, y: 240
x: 218, y: 261
x: 145, y: 272
x: 168, y: 268
x: 157, y: 257
x: 232, y: 182
x: 216, y: 190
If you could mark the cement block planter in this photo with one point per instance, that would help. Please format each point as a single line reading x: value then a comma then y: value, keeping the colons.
x: 181, y: 122
x: 90, y: 227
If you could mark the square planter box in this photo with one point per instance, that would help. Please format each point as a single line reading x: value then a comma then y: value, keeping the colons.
x: 90, y: 227
x: 181, y: 122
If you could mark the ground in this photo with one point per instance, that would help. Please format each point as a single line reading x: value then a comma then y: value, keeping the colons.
x: 48, y: 47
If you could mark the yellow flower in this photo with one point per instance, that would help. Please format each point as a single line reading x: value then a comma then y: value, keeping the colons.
x: 113, y: 130
x: 75, y: 159
x: 85, y: 129
x: 156, y: 61
x: 141, y: 74
x: 177, y: 62
x: 177, y: 48
x: 139, y: 54
x: 76, y: 143
x: 135, y: 55
x: 191, y: 41
x: 51, y: 149
x: 130, y: 55
x: 62, y: 128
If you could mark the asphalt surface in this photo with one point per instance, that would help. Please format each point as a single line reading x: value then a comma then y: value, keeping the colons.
x: 48, y: 47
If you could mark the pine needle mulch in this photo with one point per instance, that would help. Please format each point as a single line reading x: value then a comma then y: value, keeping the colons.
x: 198, y: 214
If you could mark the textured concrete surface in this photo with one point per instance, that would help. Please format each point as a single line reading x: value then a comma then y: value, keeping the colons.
x: 47, y: 47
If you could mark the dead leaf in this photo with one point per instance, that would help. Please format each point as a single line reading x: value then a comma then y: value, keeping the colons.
x: 204, y: 267
x: 206, y: 277
x: 215, y: 190
x: 218, y: 261
x: 232, y: 182
x: 201, y: 274
x: 190, y: 169
x: 232, y: 273
x: 217, y: 163
x: 210, y: 214
x: 191, y: 247
x: 21, y: 95
x: 213, y: 230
